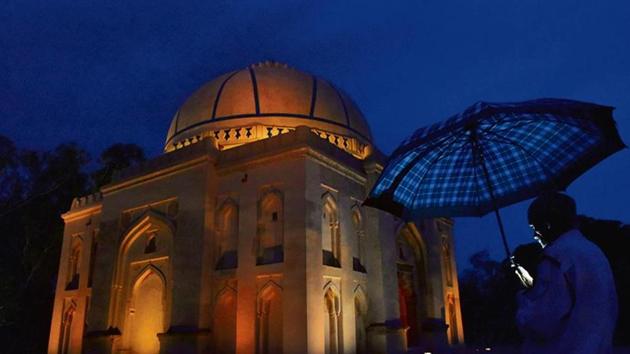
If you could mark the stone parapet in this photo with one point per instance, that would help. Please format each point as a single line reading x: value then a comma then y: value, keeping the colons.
x: 205, y: 147
x: 86, y: 201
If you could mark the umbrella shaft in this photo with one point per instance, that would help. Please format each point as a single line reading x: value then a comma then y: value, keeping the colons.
x: 477, y: 150
x: 503, y: 238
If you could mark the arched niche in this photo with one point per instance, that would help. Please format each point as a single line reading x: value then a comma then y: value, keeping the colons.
x: 145, y: 312
x: 333, y: 325
x: 224, y: 321
x: 226, y: 235
x: 358, y: 249
x: 269, y: 325
x: 331, y: 233
x: 270, y: 227
x: 74, y: 263
x: 413, y: 286
x: 360, y: 320
x: 133, y: 265
x: 65, y: 334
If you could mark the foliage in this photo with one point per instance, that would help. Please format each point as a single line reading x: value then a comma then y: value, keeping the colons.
x: 488, y: 297
x: 116, y: 158
x: 487, y: 292
x: 35, y: 189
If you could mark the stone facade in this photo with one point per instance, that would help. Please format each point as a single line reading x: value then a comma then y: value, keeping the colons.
x: 257, y: 246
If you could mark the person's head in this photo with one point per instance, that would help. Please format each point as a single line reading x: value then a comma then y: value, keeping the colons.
x: 551, y: 215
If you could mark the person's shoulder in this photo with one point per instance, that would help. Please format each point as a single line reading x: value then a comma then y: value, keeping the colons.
x: 579, y: 242
x: 572, y: 246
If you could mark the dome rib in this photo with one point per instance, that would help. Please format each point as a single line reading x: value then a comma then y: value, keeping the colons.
x: 176, y: 122
x: 313, y: 96
x: 218, y: 97
x: 343, y: 104
x: 252, y: 75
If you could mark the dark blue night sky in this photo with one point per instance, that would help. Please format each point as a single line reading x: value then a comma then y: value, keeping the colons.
x: 100, y: 72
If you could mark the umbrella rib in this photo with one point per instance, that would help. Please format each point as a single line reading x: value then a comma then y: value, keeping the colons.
x: 536, y: 117
x: 499, y: 120
x: 506, y: 140
x: 436, y: 160
x: 413, y: 142
x: 521, y: 122
x: 476, y: 175
x: 431, y: 164
x: 403, y: 173
x: 477, y: 164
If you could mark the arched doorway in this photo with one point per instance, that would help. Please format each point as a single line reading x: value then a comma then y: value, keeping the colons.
x: 407, y: 298
x: 146, y: 313
x: 412, y: 282
x: 140, y: 303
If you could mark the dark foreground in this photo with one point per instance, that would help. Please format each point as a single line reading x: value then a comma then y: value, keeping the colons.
x: 500, y: 350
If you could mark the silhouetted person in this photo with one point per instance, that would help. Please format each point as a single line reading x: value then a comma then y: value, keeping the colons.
x: 613, y: 237
x: 571, y: 306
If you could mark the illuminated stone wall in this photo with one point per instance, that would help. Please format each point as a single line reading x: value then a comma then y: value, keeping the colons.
x: 75, y: 277
x: 248, y: 236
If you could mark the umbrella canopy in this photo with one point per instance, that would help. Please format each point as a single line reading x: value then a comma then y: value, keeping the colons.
x: 493, y: 155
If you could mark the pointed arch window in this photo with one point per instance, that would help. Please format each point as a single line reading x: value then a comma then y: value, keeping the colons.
x: 151, y: 245
x: 66, y: 328
x: 270, y: 228
x: 360, y: 321
x: 226, y: 243
x: 334, y: 322
x: 224, y: 321
x: 74, y: 263
x: 269, y: 327
x: 358, y: 256
x: 93, y: 252
x: 331, y: 235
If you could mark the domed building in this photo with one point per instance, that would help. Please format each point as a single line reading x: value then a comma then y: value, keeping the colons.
x: 248, y: 236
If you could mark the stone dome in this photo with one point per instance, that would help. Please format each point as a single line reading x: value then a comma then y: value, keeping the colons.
x: 263, y: 100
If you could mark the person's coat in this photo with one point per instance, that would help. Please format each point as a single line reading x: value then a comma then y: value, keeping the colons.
x: 572, y: 307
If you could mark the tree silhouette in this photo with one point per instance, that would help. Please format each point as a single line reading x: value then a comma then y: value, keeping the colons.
x: 488, y: 302
x: 35, y: 189
x: 114, y: 159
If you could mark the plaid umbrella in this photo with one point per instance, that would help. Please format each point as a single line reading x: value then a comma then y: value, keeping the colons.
x: 493, y: 155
